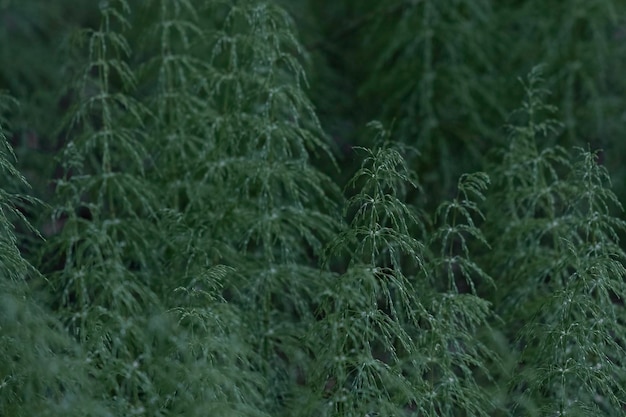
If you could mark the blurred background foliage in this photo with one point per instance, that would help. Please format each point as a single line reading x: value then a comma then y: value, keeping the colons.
x: 442, y: 74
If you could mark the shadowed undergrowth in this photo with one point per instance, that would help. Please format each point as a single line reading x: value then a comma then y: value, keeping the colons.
x: 198, y: 255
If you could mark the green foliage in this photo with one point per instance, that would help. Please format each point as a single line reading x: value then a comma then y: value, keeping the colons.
x: 562, y: 271
x: 42, y: 371
x: 191, y: 154
x: 392, y: 343
x: 105, y: 246
x: 440, y: 71
x: 428, y: 70
x: 367, y: 309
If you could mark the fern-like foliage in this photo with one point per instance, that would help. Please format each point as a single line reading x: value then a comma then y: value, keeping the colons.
x: 233, y: 121
x: 42, y: 371
x: 175, y: 70
x: 263, y: 138
x: 455, y: 363
x: 366, y: 309
x: 395, y: 343
x: 575, y: 348
x: 416, y: 60
x: 274, y: 211
x: 12, y: 261
x: 216, y: 364
x: 565, y: 277
x: 582, y: 349
x: 107, y: 299
x: 195, y: 260
x: 530, y: 197
x: 583, y: 70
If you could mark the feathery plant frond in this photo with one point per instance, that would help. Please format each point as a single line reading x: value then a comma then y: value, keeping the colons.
x: 221, y: 379
x: 421, y: 74
x: 220, y: 135
x: 263, y: 138
x: 12, y: 183
x: 381, y: 221
x: 581, y: 43
x: 531, y: 197
x: 239, y: 125
x: 404, y: 343
x: 575, y: 344
x: 10, y: 177
x: 183, y: 145
x: 565, y: 276
x: 108, y: 300
x: 362, y: 331
x: 41, y: 372
x: 103, y: 192
x: 178, y: 71
x: 209, y: 377
x: 6, y: 152
x: 454, y: 362
x: 457, y: 219
x: 264, y: 131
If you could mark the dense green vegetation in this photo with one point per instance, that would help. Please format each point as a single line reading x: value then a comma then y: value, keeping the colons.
x: 308, y: 208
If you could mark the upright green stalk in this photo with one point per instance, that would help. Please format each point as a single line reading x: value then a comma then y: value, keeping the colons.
x: 431, y: 71
x: 42, y: 372
x: 563, y: 276
x: 394, y: 342
x: 219, y: 369
x: 457, y: 363
x: 272, y: 215
x: 362, y: 335
x: 108, y: 295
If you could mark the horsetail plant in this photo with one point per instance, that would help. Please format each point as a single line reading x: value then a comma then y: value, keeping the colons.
x: 456, y: 364
x: 223, y: 382
x: 396, y: 343
x: 366, y: 310
x: 565, y: 279
x: 107, y: 299
x: 261, y: 129
x: 196, y: 261
x: 42, y: 371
